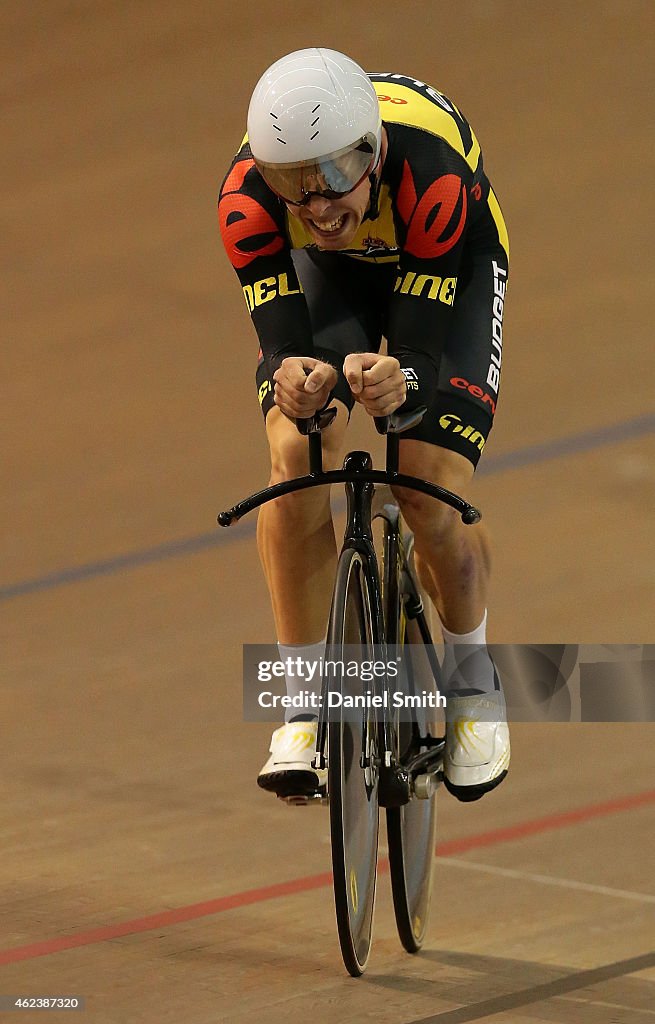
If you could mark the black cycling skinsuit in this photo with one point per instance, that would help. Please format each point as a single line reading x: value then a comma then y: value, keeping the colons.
x: 429, y: 272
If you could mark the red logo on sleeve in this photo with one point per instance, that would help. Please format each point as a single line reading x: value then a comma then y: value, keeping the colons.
x: 428, y: 220
x: 247, y: 230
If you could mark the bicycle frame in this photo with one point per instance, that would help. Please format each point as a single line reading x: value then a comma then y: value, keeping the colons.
x: 390, y: 771
x: 359, y: 477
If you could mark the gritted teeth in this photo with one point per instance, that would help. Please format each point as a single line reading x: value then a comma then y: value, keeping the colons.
x: 330, y: 225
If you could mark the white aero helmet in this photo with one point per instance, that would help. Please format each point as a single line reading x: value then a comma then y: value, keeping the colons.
x: 314, y: 125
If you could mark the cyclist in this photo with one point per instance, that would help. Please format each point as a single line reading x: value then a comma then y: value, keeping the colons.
x: 357, y: 207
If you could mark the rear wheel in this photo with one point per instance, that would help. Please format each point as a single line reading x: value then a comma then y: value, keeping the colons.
x: 353, y: 792
x: 411, y: 829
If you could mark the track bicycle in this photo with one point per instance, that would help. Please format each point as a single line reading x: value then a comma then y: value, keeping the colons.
x: 376, y: 757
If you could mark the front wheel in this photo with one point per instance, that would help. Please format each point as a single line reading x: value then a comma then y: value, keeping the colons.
x: 352, y: 774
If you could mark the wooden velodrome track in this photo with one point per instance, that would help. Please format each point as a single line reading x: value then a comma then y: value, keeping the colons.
x: 141, y: 867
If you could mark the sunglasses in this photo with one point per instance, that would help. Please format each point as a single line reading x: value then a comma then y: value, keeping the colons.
x: 330, y: 177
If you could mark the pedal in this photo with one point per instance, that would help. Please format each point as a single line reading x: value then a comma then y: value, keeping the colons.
x: 425, y: 786
x: 319, y: 798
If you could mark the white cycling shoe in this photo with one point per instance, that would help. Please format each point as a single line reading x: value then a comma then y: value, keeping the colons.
x: 477, y: 745
x: 288, y: 771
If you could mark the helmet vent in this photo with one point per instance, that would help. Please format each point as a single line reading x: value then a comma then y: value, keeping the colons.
x: 313, y: 102
x: 277, y: 128
x: 315, y: 121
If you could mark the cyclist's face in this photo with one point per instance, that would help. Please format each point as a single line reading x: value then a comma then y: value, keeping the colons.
x: 333, y: 223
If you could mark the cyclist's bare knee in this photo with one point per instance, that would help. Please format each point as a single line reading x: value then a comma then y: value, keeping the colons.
x: 424, y: 516
x: 422, y: 513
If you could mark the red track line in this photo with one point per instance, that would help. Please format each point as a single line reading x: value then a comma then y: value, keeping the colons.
x: 177, y: 915
x: 547, y: 823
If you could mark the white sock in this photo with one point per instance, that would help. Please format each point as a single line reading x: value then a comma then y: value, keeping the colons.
x: 467, y: 665
x: 301, y: 661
